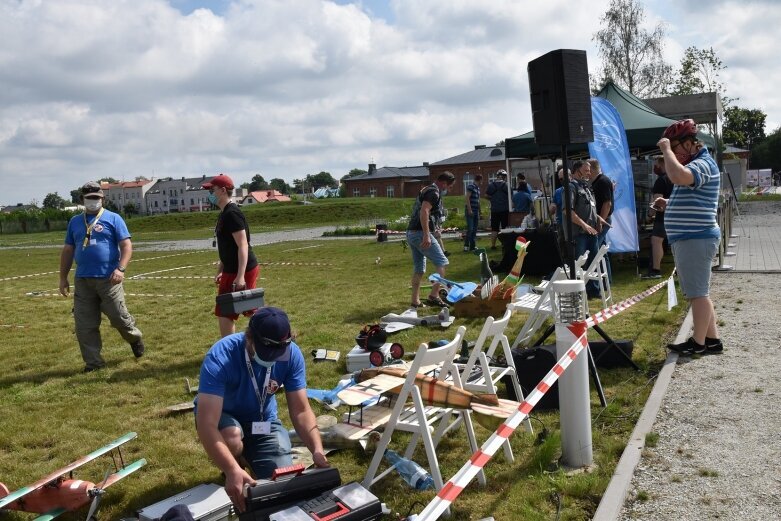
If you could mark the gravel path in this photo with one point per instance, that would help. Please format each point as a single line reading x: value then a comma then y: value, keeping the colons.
x: 718, y: 455
x: 258, y: 239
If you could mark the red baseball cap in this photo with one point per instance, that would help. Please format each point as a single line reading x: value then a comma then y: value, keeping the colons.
x: 221, y: 180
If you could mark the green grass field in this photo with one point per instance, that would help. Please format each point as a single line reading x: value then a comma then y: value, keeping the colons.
x: 52, y: 413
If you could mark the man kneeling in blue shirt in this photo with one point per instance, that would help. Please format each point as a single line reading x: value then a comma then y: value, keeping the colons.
x: 236, y: 411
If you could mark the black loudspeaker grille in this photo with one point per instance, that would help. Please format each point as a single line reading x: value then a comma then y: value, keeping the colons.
x: 560, y: 98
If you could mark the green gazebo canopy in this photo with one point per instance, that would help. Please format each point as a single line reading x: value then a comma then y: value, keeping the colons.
x: 643, y: 125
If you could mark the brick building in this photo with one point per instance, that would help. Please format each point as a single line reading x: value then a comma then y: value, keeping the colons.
x: 482, y: 160
x: 388, y: 181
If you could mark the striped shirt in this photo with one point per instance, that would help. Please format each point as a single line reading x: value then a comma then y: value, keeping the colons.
x: 691, y: 210
x: 474, y: 196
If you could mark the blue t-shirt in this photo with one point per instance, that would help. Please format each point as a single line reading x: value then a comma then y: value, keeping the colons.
x: 101, y: 257
x: 522, y: 201
x: 558, y: 200
x: 691, y: 210
x: 474, y: 197
x: 224, y: 373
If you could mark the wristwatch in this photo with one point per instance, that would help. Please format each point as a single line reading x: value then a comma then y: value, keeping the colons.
x: 120, y: 268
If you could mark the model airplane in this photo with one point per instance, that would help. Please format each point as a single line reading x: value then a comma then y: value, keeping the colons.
x: 456, y: 290
x: 410, y: 316
x: 489, y: 409
x: 506, y: 288
x: 56, y: 494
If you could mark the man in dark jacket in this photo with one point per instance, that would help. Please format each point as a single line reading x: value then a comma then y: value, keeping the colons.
x: 499, y: 195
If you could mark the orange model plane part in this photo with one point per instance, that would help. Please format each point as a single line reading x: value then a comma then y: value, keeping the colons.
x: 55, y: 493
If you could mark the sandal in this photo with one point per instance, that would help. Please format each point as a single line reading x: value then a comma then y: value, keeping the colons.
x: 418, y: 305
x: 436, y: 301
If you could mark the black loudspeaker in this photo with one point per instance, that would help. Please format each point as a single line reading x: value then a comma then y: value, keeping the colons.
x: 560, y: 98
x: 532, y: 364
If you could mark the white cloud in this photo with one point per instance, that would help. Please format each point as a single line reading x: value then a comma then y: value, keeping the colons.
x: 93, y: 88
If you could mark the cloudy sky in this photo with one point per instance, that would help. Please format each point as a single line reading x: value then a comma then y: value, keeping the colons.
x: 285, y: 88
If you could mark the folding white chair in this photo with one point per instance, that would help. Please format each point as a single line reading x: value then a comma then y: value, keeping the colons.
x: 539, y: 307
x: 420, y: 419
x: 579, y: 263
x: 597, y: 271
x: 479, y: 376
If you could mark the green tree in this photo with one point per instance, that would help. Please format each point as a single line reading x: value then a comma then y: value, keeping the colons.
x: 279, y: 185
x: 631, y: 56
x: 130, y: 209
x: 767, y: 154
x: 744, y: 127
x: 320, y: 180
x: 108, y: 204
x: 76, y: 196
x: 257, y: 183
x: 109, y: 180
x: 53, y: 200
x: 699, y: 73
x: 298, y: 185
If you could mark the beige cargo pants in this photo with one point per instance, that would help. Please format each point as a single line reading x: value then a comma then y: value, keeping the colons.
x: 91, y: 297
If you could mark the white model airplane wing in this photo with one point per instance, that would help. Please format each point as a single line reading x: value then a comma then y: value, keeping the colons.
x: 371, y: 388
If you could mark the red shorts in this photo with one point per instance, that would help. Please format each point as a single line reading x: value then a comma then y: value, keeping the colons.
x: 226, y: 286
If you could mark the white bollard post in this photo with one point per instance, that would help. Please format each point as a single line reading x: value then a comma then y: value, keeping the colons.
x: 574, y: 394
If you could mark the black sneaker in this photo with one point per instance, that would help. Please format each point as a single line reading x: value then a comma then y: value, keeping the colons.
x: 713, y: 346
x: 688, y: 348
x: 89, y: 369
x: 652, y: 274
x: 138, y: 348
x: 447, y: 253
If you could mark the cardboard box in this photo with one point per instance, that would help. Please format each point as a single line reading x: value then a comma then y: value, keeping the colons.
x: 475, y: 307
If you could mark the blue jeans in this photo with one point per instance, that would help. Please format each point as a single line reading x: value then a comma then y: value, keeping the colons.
x: 471, y: 230
x: 264, y: 452
x: 420, y: 254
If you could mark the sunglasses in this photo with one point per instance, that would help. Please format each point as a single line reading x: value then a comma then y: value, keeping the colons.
x: 92, y: 197
x: 274, y: 343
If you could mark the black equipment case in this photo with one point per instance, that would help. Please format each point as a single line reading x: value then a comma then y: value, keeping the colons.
x: 240, y: 301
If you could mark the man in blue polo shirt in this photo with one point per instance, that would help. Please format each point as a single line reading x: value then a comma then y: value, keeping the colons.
x: 692, y: 229
x: 99, y: 241
x: 236, y: 410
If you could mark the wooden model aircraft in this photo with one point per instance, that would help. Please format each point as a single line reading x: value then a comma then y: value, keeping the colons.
x: 489, y: 409
x: 56, y: 494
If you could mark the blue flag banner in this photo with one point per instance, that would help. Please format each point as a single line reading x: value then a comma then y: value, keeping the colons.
x: 611, y: 149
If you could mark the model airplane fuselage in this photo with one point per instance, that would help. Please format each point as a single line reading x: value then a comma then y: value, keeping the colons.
x: 56, y: 494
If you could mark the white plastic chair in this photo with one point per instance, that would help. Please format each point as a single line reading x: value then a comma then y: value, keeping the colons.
x: 420, y: 419
x: 538, y: 306
x: 597, y: 271
x: 491, y: 337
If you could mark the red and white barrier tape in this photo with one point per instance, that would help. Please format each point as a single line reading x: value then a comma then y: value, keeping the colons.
x: 458, y: 483
x: 395, y: 232
x: 615, y: 309
x: 453, y: 488
x: 159, y: 271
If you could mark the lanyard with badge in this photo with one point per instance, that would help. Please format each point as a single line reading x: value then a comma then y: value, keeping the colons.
x: 259, y: 427
x: 89, y: 227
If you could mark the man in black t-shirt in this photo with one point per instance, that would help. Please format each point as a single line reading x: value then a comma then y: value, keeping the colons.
x: 602, y: 186
x: 420, y: 237
x: 663, y: 187
x: 238, y: 268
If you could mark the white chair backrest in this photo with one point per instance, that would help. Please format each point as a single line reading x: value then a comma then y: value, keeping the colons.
x: 493, y: 329
x: 443, y: 355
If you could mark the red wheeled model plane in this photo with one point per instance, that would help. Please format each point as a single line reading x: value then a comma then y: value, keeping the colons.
x: 56, y: 494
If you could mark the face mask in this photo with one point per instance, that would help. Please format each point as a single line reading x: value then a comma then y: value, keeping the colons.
x: 443, y: 193
x: 93, y: 205
x: 263, y: 363
x: 212, y: 199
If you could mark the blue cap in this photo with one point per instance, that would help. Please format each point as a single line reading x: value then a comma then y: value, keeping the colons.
x: 270, y: 330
